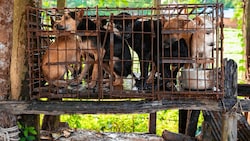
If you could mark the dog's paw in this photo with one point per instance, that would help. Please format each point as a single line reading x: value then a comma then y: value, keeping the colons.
x: 118, y: 82
x: 91, y: 85
x: 75, y: 83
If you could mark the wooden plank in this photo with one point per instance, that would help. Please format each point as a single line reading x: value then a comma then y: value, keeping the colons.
x: 170, y: 136
x: 115, y: 107
x: 244, y: 90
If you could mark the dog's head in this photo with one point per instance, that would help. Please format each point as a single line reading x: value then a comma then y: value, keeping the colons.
x: 205, y: 32
x: 173, y: 26
x: 123, y: 23
x: 68, y: 21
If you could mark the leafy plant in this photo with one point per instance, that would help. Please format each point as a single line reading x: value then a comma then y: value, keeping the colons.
x: 27, y: 133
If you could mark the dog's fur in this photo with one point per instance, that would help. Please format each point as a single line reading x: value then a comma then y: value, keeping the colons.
x: 203, y: 40
x: 61, y: 54
x: 119, y: 65
x: 199, y: 38
x: 144, y: 43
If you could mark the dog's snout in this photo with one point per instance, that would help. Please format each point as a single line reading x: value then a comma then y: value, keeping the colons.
x: 59, y: 27
x: 211, y: 44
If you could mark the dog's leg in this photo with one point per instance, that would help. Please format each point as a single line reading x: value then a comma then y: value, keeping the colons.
x: 118, y: 80
x: 152, y: 74
x: 60, y: 83
x: 95, y: 72
x: 107, y: 70
x: 86, y: 68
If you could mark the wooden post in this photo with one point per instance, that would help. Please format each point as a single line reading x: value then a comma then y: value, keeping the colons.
x: 152, y: 116
x: 182, y: 121
x: 229, y: 117
x: 192, y: 122
x: 152, y: 123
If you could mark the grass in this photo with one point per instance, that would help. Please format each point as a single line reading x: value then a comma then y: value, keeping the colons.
x: 233, y: 49
x: 166, y: 119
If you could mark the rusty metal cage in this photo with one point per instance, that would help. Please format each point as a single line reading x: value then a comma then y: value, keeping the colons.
x: 130, y: 53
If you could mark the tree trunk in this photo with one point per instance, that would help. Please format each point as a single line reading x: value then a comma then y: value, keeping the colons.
x: 18, y: 65
x: 6, y: 24
x: 7, y: 119
x: 18, y: 68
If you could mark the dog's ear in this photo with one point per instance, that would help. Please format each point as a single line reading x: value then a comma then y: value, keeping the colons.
x: 199, y: 21
x: 52, y: 22
x: 80, y: 14
x: 53, y: 16
x: 163, y: 19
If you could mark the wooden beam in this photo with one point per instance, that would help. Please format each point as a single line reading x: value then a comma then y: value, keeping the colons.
x: 244, y: 90
x: 115, y: 107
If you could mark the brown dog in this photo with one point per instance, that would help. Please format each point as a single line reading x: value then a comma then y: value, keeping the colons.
x: 61, y: 54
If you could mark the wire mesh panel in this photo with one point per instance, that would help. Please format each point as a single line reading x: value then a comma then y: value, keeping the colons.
x: 172, y: 51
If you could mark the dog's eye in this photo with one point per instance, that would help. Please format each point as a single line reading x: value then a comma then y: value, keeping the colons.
x: 208, y: 32
x: 66, y: 17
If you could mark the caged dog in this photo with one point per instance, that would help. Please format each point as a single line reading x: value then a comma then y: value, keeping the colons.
x: 145, y: 38
x: 61, y: 54
x: 155, y: 54
x: 198, y: 34
x: 117, y: 63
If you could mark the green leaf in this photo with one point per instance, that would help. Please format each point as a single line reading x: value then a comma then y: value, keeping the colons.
x: 26, y: 132
x: 31, y: 138
x: 33, y: 132
x: 23, y: 139
x: 242, y: 68
x: 242, y: 61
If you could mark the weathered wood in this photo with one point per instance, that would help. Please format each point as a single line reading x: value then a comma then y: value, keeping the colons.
x: 229, y: 126
x: 114, y: 107
x: 244, y: 90
x: 50, y: 122
x: 170, y: 136
x: 85, y: 135
x: 182, y: 121
x: 231, y: 77
x: 192, y: 122
x: 229, y: 118
x: 206, y: 132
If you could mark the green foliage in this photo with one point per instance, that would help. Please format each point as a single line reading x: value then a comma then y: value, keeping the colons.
x: 109, y: 123
x: 227, y: 3
x: 167, y: 119
x: 27, y: 133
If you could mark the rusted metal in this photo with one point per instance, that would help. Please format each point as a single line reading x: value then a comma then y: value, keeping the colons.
x: 40, y: 35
